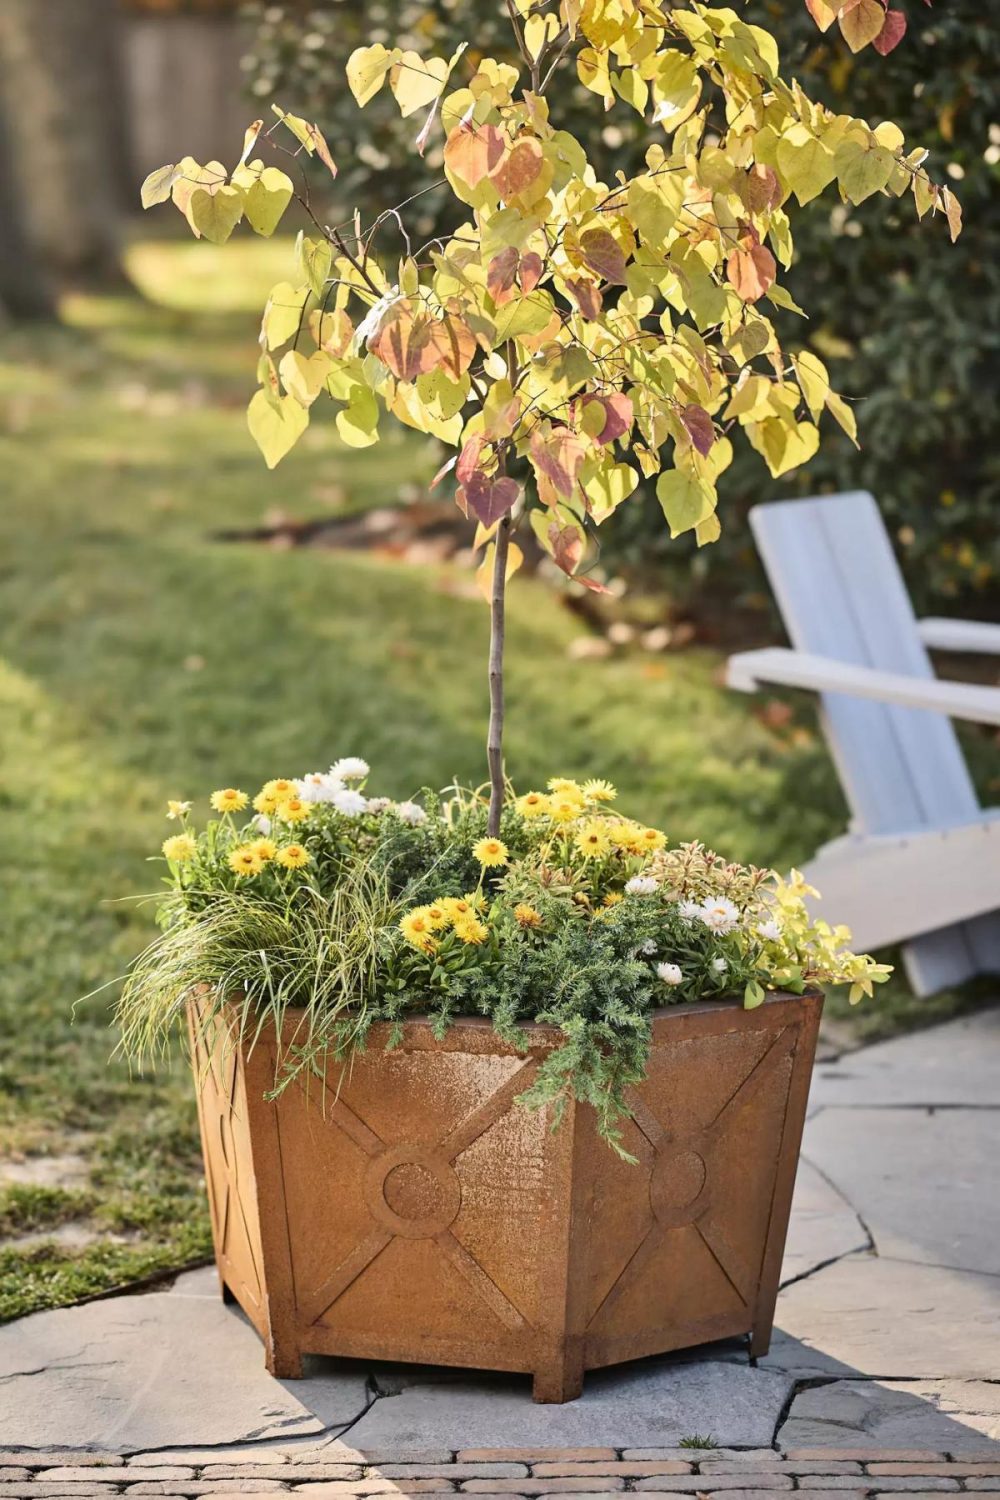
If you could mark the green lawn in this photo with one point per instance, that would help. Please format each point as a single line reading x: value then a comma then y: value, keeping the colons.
x: 140, y: 659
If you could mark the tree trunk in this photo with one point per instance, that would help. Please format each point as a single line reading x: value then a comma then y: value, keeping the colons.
x: 494, y: 741
x: 60, y: 88
x: 25, y: 291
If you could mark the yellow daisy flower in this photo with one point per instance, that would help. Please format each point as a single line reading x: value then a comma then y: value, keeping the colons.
x: 266, y: 848
x: 265, y: 803
x: 650, y: 839
x: 527, y: 916
x: 598, y: 790
x: 456, y: 907
x: 532, y: 804
x: 437, y: 914
x: 416, y: 929
x: 490, y: 853
x: 245, y: 860
x: 177, y: 809
x: 229, y: 800
x: 471, y: 930
x: 593, y: 840
x: 564, y: 809
x: 180, y: 848
x: 279, y: 789
x: 292, y: 810
x: 293, y: 856
x: 613, y: 898
x: 564, y: 787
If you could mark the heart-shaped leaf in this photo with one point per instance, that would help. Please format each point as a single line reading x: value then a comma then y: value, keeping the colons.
x: 215, y: 213
x: 276, y: 425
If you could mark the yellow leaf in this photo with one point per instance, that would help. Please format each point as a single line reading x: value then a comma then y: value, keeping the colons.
x: 686, y: 500
x: 267, y: 193
x: 813, y: 378
x: 953, y: 213
x: 216, y: 213
x: 283, y: 313
x: 539, y: 30
x: 358, y: 422
x: 805, y: 163
x: 159, y: 185
x: 844, y: 415
x: 416, y: 81
x: 304, y: 378
x: 275, y: 426
x: 366, y: 70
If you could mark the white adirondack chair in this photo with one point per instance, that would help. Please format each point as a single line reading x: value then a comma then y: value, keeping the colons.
x: 921, y: 861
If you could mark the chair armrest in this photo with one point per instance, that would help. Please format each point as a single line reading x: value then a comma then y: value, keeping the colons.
x: 960, y: 635
x: 800, y: 669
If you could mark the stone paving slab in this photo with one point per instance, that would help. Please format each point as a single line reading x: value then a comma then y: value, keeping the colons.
x: 823, y: 1225
x: 888, y: 1319
x: 655, y: 1403
x: 154, y: 1371
x: 943, y: 1065
x: 856, y: 1416
x: 945, y: 1158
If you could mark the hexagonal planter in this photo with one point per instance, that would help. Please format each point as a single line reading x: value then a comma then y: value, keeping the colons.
x: 411, y: 1210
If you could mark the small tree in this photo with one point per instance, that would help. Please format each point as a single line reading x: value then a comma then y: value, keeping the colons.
x: 570, y: 330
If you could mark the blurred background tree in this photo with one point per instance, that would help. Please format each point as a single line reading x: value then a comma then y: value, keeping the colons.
x: 63, y: 144
x: 881, y: 286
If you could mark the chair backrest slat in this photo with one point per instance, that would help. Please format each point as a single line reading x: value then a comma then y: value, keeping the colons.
x: 841, y: 594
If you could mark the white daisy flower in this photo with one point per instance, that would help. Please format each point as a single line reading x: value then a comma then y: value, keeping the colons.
x: 688, y: 911
x: 262, y: 823
x: 349, y: 802
x: 769, y: 931
x: 350, y: 768
x: 411, y: 812
x: 379, y: 804
x: 719, y: 913
x: 641, y: 885
x: 669, y: 973
x: 318, y: 786
x: 719, y: 965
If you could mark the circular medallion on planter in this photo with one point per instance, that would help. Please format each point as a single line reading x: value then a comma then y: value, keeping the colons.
x: 678, y: 1184
x: 413, y: 1191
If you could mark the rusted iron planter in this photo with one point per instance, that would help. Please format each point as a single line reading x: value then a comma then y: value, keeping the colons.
x: 421, y: 1214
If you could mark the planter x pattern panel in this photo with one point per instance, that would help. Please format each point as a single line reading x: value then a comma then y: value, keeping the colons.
x: 413, y: 1191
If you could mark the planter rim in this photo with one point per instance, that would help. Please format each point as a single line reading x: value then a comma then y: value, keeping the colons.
x: 548, y: 1028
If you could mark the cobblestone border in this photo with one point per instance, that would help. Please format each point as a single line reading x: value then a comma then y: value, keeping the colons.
x: 336, y: 1470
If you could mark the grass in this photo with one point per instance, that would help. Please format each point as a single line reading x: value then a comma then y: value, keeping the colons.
x: 140, y: 659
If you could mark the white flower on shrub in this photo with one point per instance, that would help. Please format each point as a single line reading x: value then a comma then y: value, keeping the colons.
x: 262, y: 823
x: 350, y: 768
x: 641, y: 885
x: 669, y: 973
x: 719, y: 914
x: 350, y: 803
x: 688, y: 911
x: 719, y: 965
x: 770, y: 931
x: 647, y: 947
x: 379, y: 804
x: 318, y: 786
x: 411, y: 812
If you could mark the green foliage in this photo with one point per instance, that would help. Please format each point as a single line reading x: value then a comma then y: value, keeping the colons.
x: 26, y: 1208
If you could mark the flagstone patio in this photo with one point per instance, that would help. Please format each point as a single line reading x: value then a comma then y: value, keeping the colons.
x: 887, y: 1341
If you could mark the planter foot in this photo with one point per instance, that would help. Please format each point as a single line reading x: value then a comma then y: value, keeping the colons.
x: 557, y: 1382
x: 284, y: 1364
x: 760, y: 1341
